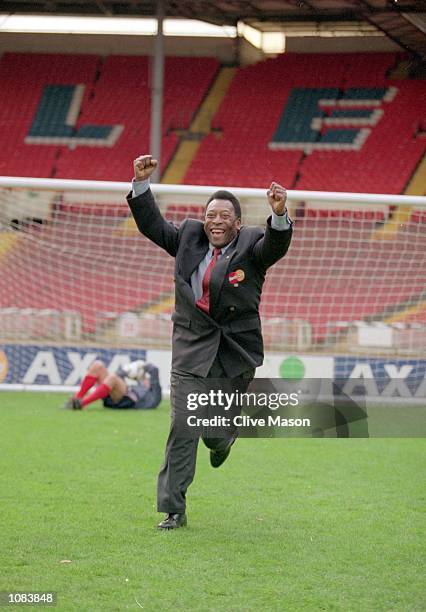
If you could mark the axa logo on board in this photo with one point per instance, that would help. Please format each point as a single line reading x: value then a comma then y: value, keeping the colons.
x: 373, y: 377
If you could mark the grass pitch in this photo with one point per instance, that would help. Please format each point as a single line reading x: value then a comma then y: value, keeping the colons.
x: 318, y: 524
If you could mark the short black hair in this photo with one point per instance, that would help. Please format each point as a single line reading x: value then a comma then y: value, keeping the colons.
x: 222, y: 194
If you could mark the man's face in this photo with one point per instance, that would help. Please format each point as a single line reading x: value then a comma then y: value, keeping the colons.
x: 220, y: 224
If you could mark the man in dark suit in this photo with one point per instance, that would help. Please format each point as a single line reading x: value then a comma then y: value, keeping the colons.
x: 219, y: 273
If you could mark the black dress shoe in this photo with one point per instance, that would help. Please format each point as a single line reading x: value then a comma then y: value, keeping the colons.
x: 173, y: 521
x: 217, y: 457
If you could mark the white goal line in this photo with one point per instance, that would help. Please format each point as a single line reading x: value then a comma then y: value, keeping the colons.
x: 206, y: 190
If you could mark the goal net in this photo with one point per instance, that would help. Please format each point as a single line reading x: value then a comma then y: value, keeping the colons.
x: 78, y: 280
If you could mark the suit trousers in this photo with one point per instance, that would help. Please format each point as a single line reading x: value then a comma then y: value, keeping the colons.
x: 178, y: 470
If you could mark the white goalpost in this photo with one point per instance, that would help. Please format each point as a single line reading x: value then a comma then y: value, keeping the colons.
x: 77, y: 280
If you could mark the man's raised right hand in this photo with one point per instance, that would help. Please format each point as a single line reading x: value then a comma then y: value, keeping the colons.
x: 144, y: 166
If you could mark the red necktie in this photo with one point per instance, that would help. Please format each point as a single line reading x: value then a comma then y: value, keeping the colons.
x: 203, y: 302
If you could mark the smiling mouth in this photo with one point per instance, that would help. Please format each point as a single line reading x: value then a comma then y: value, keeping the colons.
x: 217, y: 232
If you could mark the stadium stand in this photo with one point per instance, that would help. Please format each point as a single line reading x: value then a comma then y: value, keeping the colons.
x: 355, y: 88
x: 381, y: 118
x: 249, y: 117
x: 115, y: 94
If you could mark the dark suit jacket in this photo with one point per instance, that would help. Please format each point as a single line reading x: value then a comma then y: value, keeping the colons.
x: 233, y: 328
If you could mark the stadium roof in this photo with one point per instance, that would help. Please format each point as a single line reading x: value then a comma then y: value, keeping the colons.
x: 219, y: 11
x: 404, y: 21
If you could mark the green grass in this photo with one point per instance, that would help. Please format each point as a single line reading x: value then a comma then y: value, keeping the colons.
x: 318, y: 524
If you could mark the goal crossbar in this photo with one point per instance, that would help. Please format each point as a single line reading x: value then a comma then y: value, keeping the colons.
x: 206, y: 190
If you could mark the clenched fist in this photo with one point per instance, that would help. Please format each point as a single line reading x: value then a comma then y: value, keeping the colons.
x: 144, y: 166
x: 277, y: 196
